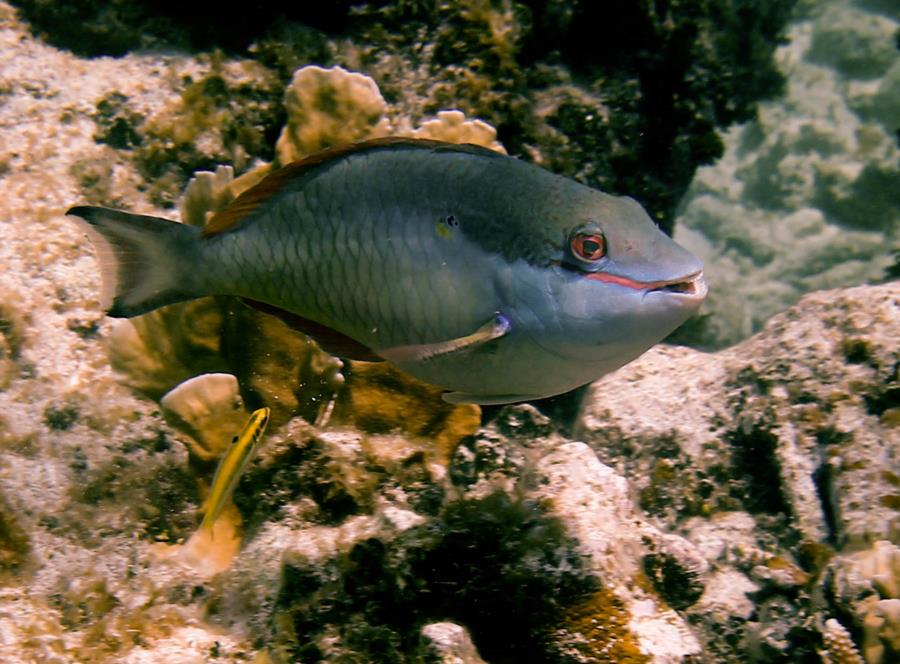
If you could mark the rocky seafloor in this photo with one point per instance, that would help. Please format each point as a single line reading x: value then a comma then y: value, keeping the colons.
x: 729, y: 506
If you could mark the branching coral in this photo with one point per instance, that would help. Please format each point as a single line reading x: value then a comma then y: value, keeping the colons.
x: 839, y: 647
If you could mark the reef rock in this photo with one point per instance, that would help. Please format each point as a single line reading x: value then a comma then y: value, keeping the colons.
x: 798, y: 423
x: 451, y: 644
x: 770, y: 457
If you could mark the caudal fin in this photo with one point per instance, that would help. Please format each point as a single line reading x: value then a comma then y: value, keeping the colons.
x: 144, y: 261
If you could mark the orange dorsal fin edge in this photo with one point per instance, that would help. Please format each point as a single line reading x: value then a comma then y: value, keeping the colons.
x: 251, y: 200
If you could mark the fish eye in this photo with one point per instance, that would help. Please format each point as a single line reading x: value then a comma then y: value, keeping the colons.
x: 588, y: 246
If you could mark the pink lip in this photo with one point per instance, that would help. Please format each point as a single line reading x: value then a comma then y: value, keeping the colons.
x: 689, y: 285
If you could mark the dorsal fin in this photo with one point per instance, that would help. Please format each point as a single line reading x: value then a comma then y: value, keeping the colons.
x: 329, y: 339
x: 263, y: 190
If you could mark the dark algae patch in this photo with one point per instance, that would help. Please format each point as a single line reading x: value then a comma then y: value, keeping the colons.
x: 500, y: 566
x: 60, y: 417
x: 302, y: 469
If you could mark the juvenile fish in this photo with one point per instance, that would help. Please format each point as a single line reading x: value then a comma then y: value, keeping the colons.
x: 473, y: 271
x: 232, y: 466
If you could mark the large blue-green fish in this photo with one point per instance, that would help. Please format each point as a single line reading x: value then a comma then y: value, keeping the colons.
x: 476, y: 272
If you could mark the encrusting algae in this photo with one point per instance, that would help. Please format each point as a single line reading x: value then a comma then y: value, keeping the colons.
x: 596, y: 630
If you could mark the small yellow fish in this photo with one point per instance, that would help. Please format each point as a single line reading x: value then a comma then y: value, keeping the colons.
x: 233, y: 465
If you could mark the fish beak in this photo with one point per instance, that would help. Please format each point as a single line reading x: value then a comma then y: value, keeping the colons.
x: 692, y: 287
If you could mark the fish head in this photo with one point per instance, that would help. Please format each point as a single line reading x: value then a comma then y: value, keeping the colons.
x: 616, y: 286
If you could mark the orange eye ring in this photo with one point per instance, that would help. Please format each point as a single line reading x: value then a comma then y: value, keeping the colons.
x: 588, y: 246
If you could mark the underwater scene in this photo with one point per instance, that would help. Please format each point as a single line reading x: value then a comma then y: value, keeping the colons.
x: 450, y: 332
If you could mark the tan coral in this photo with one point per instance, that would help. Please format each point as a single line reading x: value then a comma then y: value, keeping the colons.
x: 881, y: 566
x: 839, y: 647
x: 881, y: 632
x: 207, y: 408
x: 870, y: 580
x: 329, y: 107
x: 157, y: 351
x: 206, y: 193
x: 454, y: 127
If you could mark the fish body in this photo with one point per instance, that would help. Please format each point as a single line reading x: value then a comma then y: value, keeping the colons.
x: 473, y: 271
x: 232, y: 466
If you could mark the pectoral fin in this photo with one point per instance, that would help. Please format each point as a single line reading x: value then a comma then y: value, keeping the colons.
x: 496, y: 327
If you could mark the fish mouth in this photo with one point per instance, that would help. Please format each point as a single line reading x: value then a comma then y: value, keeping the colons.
x: 691, y: 287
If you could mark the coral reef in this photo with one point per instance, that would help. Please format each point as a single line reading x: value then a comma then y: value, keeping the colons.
x: 881, y: 631
x: 719, y: 507
x: 229, y: 116
x: 593, y: 501
x: 799, y: 430
x: 866, y: 586
x: 329, y: 107
x: 208, y: 410
x: 501, y: 566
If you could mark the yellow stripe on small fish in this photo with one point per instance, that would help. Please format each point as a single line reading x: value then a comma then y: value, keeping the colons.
x: 233, y: 465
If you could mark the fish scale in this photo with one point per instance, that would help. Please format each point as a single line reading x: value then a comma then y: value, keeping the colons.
x: 504, y: 305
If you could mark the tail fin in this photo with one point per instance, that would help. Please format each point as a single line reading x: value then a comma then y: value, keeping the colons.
x: 145, y: 262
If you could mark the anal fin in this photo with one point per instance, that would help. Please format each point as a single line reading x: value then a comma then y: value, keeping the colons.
x: 498, y: 326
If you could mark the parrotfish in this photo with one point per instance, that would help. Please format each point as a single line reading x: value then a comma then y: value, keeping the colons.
x: 232, y: 466
x: 476, y: 272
